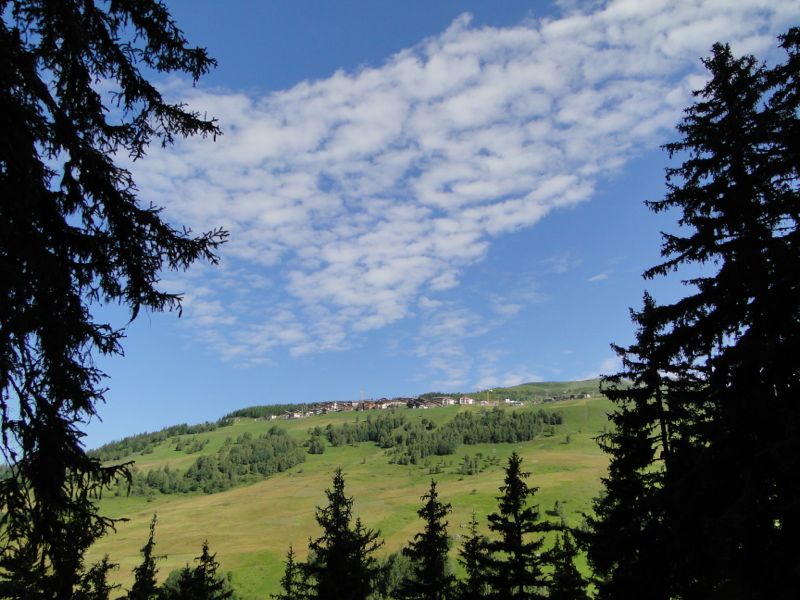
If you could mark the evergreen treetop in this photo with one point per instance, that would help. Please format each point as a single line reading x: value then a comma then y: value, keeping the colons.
x: 430, y: 578
x: 144, y: 585
x: 514, y: 555
x: 202, y: 582
x: 472, y: 556
x: 566, y: 582
x: 707, y: 439
x: 293, y: 583
x: 343, y: 564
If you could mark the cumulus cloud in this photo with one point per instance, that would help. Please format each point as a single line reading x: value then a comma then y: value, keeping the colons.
x: 354, y: 201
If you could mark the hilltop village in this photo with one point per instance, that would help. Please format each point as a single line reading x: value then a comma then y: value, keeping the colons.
x: 321, y: 408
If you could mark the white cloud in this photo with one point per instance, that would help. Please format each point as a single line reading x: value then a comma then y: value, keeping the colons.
x: 598, y: 277
x: 426, y: 303
x: 491, y: 375
x: 353, y: 199
x: 504, y: 308
x: 608, y: 366
x: 510, y: 378
x: 447, y: 334
x: 560, y: 264
x: 442, y: 341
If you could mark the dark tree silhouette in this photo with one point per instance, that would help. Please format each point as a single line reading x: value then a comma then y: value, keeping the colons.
x: 394, y: 569
x: 144, y: 585
x: 566, y: 582
x: 74, y: 235
x: 430, y: 578
x: 472, y: 556
x: 94, y: 583
x: 514, y: 559
x: 701, y: 496
x: 293, y: 582
x: 343, y: 566
x: 202, y: 582
x: 626, y: 536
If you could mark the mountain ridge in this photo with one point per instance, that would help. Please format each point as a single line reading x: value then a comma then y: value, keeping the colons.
x: 525, y: 392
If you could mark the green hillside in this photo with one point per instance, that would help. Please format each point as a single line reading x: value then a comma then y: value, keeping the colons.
x: 250, y: 526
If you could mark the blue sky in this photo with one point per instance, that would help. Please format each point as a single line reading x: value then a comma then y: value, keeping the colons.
x: 420, y: 196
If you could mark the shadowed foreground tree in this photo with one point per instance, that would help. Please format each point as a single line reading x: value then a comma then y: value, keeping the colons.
x: 566, y: 582
x: 74, y: 235
x: 514, y: 561
x: 430, y: 577
x: 293, y: 582
x: 472, y: 556
x: 342, y: 566
x: 144, y: 585
x: 393, y: 571
x: 94, y: 583
x: 202, y: 582
x: 701, y: 499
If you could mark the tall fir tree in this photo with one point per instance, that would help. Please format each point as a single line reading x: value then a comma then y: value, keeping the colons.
x: 566, y: 582
x: 145, y: 586
x: 701, y: 496
x: 94, y: 584
x: 293, y: 582
x: 472, y: 556
x: 74, y: 235
x: 430, y: 578
x: 202, y: 582
x: 514, y: 560
x: 628, y: 513
x: 343, y: 565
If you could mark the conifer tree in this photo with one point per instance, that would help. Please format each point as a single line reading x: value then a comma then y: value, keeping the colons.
x: 628, y: 512
x: 393, y: 571
x: 94, y: 583
x: 144, y: 585
x: 74, y: 235
x: 211, y: 585
x: 293, y: 584
x: 472, y: 556
x: 202, y: 582
x: 430, y: 578
x: 343, y: 565
x: 514, y: 562
x: 701, y: 496
x: 566, y: 582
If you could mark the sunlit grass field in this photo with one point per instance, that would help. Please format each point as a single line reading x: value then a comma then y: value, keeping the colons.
x: 250, y: 528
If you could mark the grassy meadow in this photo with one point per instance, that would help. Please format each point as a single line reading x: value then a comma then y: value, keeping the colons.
x: 250, y: 528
